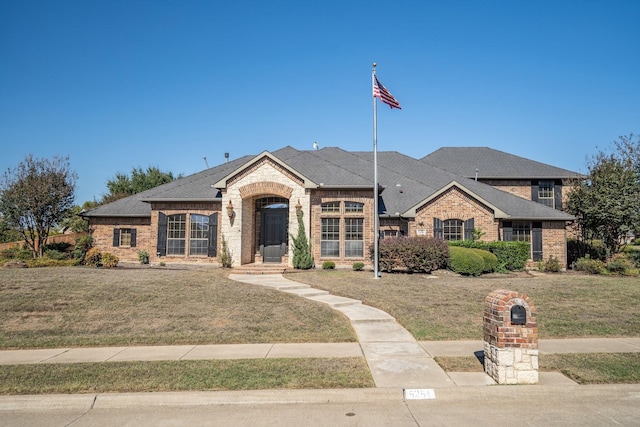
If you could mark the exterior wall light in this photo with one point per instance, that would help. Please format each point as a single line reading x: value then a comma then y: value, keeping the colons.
x: 230, y: 211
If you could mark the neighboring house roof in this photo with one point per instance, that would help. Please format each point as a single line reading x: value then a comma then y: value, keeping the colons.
x: 196, y: 187
x: 492, y: 164
x: 407, y: 183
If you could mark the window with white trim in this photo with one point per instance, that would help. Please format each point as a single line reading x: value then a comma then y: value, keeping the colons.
x: 176, y: 234
x: 353, y: 237
x: 198, y: 234
x: 330, y: 237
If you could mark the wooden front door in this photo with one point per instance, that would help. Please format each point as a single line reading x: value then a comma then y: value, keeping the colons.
x: 273, y: 233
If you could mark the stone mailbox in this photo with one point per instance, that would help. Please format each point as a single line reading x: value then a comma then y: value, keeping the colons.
x: 510, y: 338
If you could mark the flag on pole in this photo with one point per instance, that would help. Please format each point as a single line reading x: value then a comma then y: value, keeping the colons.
x: 379, y: 91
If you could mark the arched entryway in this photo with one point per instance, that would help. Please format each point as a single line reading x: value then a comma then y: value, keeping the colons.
x: 272, y: 214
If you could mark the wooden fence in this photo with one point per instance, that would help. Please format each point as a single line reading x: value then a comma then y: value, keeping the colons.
x: 68, y: 238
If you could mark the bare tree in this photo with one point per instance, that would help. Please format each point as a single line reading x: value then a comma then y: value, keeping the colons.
x: 36, y: 196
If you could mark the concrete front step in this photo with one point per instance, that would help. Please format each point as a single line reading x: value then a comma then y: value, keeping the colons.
x: 260, y: 269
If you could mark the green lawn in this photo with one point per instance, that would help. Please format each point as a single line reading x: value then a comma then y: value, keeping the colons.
x: 444, y: 306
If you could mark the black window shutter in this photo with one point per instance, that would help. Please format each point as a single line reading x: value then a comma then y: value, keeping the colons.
x: 133, y: 237
x: 468, y: 229
x: 507, y: 231
x: 116, y: 237
x: 557, y: 194
x: 534, y: 191
x: 536, y: 241
x: 212, y: 249
x: 438, y: 228
x: 162, y: 234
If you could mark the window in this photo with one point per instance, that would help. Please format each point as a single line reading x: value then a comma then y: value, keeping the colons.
x: 330, y: 237
x: 521, y: 232
x: 176, y: 234
x: 545, y: 193
x: 353, y: 207
x: 125, y: 237
x: 452, y: 229
x: 353, y: 240
x: 199, y: 235
x: 331, y: 207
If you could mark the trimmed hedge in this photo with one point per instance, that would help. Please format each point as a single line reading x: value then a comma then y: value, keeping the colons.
x: 412, y: 254
x: 512, y: 256
x: 466, y: 261
x: 489, y: 260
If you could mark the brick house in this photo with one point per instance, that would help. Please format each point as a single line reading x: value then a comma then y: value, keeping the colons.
x: 252, y: 203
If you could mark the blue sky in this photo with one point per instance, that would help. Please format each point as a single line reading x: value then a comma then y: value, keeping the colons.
x: 121, y: 84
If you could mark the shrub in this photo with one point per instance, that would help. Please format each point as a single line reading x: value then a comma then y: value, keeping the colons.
x: 588, y: 265
x: 358, y: 266
x: 577, y: 249
x: 17, y: 252
x: 415, y: 254
x: 109, y: 260
x: 465, y: 261
x: 328, y: 265
x: 83, y: 244
x: 56, y: 255
x: 490, y: 261
x: 302, y: 257
x: 93, y: 257
x: 552, y: 265
x: 633, y: 254
x: 225, y: 255
x: 512, y: 256
x: 143, y: 256
x: 619, y: 264
x: 57, y: 246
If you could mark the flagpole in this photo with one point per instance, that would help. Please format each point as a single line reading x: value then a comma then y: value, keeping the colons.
x: 376, y: 216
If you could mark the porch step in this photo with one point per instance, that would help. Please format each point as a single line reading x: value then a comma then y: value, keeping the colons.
x: 260, y: 269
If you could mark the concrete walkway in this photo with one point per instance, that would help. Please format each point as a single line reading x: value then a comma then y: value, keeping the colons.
x: 394, y: 357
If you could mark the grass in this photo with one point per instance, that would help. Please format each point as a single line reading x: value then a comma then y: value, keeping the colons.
x: 583, y: 368
x: 444, y: 306
x: 79, y: 307
x: 200, y: 375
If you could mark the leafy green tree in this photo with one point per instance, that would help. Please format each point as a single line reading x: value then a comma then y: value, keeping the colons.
x: 123, y: 185
x: 36, y: 196
x: 302, y: 257
x: 74, y: 222
x: 606, y: 202
x: 7, y: 233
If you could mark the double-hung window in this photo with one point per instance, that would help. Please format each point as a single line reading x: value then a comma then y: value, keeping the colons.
x: 176, y: 234
x: 545, y: 193
x: 330, y: 237
x: 353, y: 237
x: 198, y: 235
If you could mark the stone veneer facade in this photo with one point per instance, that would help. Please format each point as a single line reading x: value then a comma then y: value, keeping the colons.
x: 510, y: 350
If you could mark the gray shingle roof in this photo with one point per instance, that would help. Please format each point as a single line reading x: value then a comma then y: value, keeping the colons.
x: 492, y: 164
x: 407, y: 183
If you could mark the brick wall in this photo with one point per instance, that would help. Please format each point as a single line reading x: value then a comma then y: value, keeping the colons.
x: 319, y: 197
x: 456, y: 204
x: 510, y: 350
x: 102, y: 233
x: 517, y: 187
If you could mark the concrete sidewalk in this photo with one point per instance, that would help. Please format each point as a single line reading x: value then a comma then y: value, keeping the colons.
x: 265, y: 351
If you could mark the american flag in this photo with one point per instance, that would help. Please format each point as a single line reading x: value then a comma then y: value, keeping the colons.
x: 379, y: 91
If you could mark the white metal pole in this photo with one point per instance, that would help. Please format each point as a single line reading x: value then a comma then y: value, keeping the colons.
x: 376, y: 216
